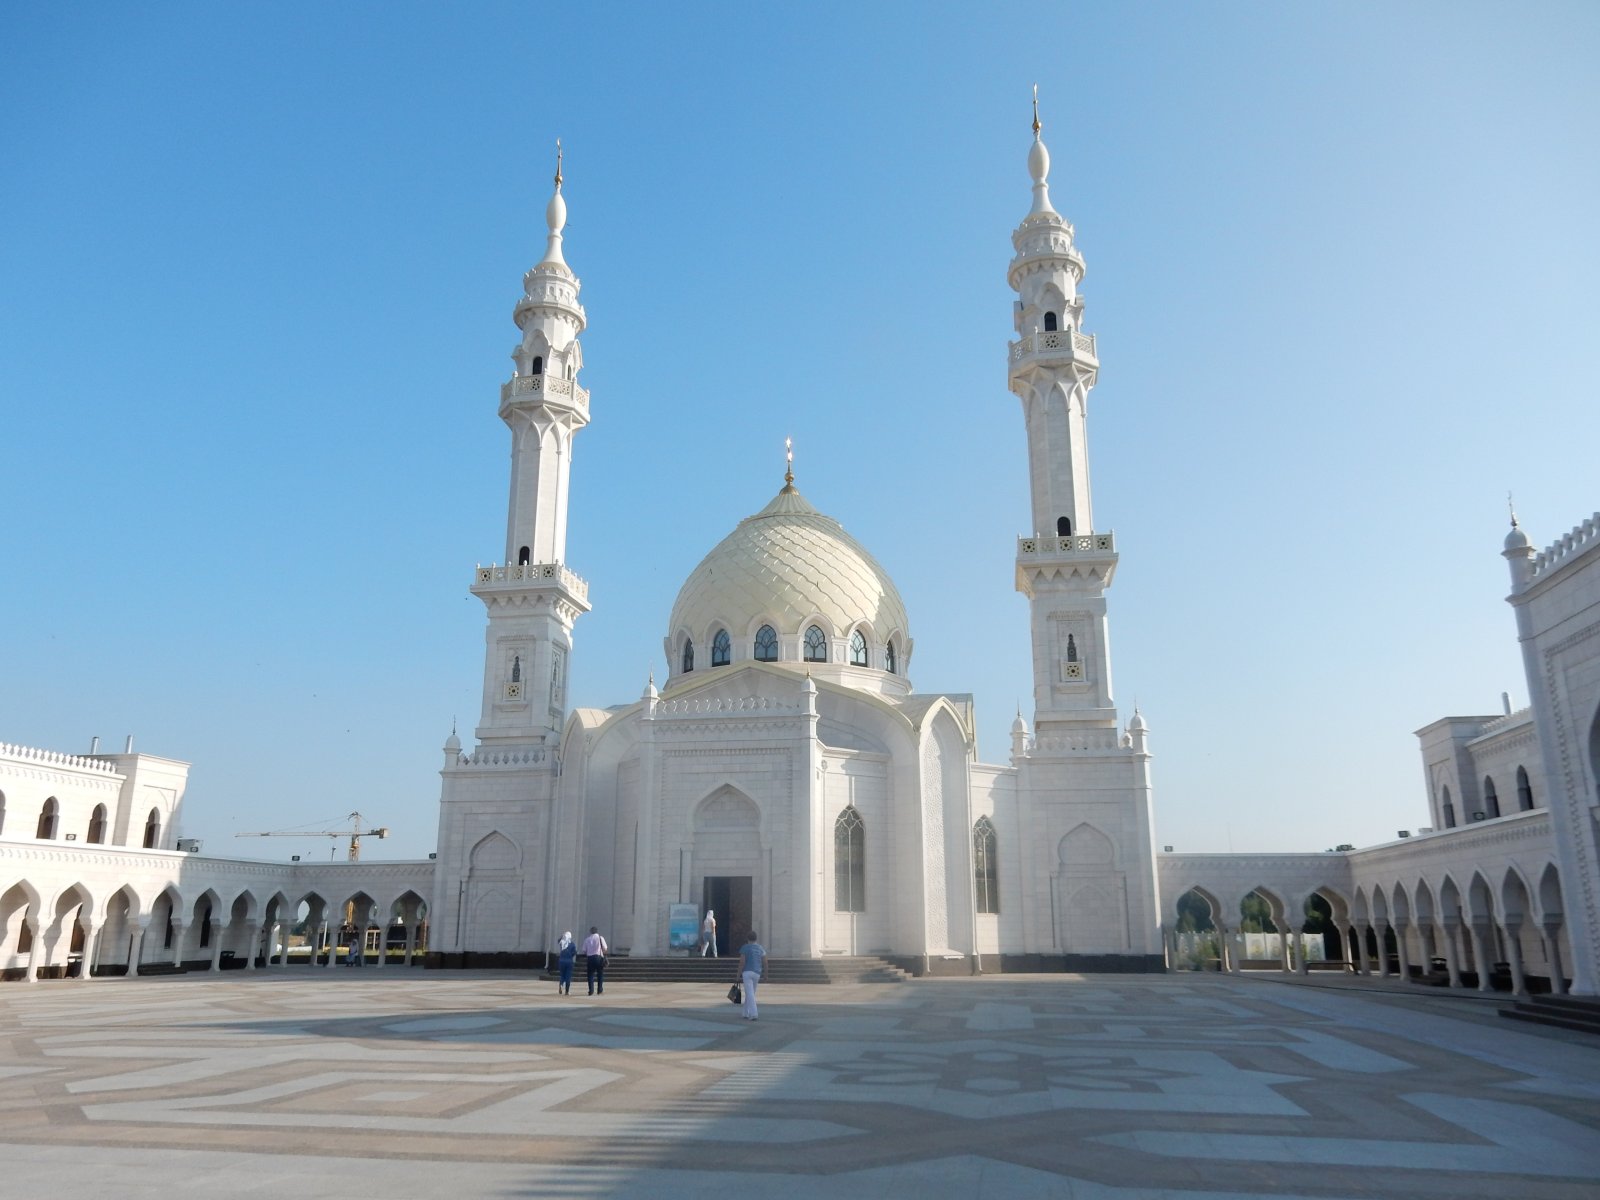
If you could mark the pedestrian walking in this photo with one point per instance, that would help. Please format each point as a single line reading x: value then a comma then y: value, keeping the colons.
x: 708, y: 935
x: 752, y: 963
x: 566, y: 956
x: 594, y: 954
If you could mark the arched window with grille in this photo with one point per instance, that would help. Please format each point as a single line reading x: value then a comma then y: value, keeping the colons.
x: 985, y: 865
x: 890, y: 663
x: 1524, y: 790
x: 1491, y: 798
x: 766, y: 644
x: 152, y: 830
x: 49, y: 820
x: 688, y: 655
x: 97, y: 824
x: 721, y: 649
x: 850, y: 862
x: 858, y: 649
x: 816, y: 649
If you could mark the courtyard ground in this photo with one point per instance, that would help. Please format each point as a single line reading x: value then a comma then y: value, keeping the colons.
x: 356, y: 1084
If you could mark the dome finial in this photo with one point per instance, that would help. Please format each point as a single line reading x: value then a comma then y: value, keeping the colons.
x: 788, y: 464
x: 558, y: 140
x: 1511, y: 504
x: 1036, y: 125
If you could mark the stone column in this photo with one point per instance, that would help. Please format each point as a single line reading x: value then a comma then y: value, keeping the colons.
x: 1452, y: 960
x: 1358, y: 934
x: 1475, y: 932
x: 216, y: 945
x: 411, y: 940
x: 1300, y: 951
x: 252, y: 935
x: 383, y: 942
x: 86, y: 963
x: 136, y: 948
x: 33, y: 948
x: 1401, y: 935
x: 361, y: 942
x: 333, y: 940
x: 1519, y: 981
x: 177, y: 942
x: 1552, y: 954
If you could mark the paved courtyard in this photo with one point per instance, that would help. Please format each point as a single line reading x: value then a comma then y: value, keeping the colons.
x: 460, y: 1085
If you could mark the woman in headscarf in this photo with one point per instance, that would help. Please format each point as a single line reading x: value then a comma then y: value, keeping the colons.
x: 566, y: 955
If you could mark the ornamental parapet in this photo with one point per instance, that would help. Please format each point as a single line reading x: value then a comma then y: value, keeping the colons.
x: 545, y: 385
x: 532, y: 573
x: 501, y: 758
x: 1079, y: 543
x: 1053, y: 345
x: 54, y: 758
x: 1582, y: 537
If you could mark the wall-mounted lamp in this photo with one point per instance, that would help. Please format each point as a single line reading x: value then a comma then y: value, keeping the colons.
x: 294, y: 858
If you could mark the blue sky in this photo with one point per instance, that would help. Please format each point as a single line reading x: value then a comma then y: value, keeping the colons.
x: 257, y: 265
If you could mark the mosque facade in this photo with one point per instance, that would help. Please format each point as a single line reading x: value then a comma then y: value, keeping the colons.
x: 787, y: 775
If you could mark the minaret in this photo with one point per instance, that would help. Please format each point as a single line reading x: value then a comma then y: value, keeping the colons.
x: 1064, y: 564
x: 533, y: 599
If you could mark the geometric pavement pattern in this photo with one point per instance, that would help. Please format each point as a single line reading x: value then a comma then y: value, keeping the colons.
x: 1110, y: 1088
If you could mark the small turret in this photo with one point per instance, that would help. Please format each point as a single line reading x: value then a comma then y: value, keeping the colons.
x: 1519, y: 552
x: 1019, y: 738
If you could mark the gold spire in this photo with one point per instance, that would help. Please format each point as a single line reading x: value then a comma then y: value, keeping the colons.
x: 788, y: 464
x: 558, y: 156
x: 1036, y: 125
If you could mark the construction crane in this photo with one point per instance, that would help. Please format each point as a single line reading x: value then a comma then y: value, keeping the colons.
x: 355, y: 835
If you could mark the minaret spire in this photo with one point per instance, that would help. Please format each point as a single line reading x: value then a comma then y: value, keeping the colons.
x: 555, y: 216
x: 1039, y: 164
x: 788, y: 464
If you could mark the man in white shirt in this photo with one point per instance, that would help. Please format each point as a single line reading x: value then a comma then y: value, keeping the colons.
x: 594, y: 954
x: 708, y: 935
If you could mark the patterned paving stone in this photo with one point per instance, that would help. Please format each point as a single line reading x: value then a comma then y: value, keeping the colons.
x: 1140, y: 1088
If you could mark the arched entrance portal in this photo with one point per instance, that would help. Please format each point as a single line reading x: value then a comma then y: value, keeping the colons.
x: 727, y: 863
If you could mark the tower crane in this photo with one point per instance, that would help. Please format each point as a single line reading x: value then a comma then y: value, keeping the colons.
x: 355, y: 834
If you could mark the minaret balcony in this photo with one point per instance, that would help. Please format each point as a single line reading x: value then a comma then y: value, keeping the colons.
x: 1048, y: 347
x: 545, y: 386
x: 514, y: 576
x: 1075, y: 544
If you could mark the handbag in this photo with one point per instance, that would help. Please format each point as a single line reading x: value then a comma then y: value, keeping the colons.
x: 736, y: 994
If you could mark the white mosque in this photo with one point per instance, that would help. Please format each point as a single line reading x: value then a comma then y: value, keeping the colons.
x: 787, y: 775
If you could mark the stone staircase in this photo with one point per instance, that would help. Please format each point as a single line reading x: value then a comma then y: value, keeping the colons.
x: 710, y: 971
x: 1562, y: 1012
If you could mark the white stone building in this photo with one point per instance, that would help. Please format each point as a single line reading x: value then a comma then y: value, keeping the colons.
x: 787, y: 775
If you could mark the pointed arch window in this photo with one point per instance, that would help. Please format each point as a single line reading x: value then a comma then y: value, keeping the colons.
x: 850, y: 862
x: 152, y: 829
x: 986, y: 866
x: 891, y: 664
x: 1072, y: 649
x: 538, y: 364
x: 1049, y: 322
x: 721, y: 649
x: 766, y: 644
x: 1063, y: 526
x: 1449, y: 810
x: 816, y: 645
x: 1491, y: 798
x: 858, y: 649
x: 1524, y: 791
x: 49, y: 820
x: 523, y: 555
x: 688, y: 655
x: 97, y: 824
x: 2, y: 812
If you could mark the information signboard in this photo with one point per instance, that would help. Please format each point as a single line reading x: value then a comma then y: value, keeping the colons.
x: 683, y: 926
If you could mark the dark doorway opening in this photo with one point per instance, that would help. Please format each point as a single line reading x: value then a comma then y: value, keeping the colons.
x: 730, y: 897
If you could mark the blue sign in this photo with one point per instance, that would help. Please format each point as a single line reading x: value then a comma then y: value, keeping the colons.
x: 683, y: 926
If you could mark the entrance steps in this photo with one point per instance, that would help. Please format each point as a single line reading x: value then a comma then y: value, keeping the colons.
x: 628, y: 969
x: 1562, y: 1012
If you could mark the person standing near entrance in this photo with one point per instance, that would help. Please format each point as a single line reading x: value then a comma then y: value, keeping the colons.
x: 566, y: 955
x: 594, y: 954
x: 752, y: 962
x: 708, y: 935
